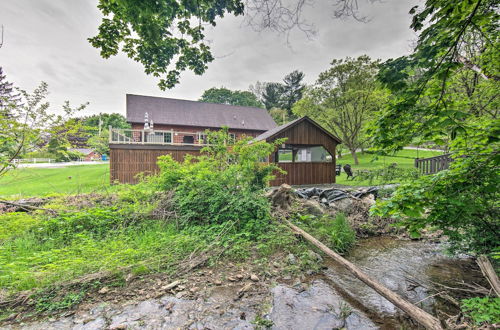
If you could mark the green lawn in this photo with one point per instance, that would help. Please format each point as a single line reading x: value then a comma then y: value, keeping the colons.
x: 404, y: 158
x: 25, y: 182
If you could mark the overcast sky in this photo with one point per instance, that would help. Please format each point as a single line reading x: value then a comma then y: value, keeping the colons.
x: 46, y: 40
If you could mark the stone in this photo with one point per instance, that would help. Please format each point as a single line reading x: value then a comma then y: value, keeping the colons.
x: 240, y: 276
x: 181, y: 294
x: 104, y: 290
x: 171, y: 285
x: 291, y: 259
x: 315, y: 256
x: 232, y: 279
x: 254, y: 278
x: 244, y: 289
x: 218, y: 282
x: 118, y: 327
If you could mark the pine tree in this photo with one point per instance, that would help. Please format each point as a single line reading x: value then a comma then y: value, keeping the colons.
x: 293, y: 88
x: 271, y: 96
x: 8, y: 97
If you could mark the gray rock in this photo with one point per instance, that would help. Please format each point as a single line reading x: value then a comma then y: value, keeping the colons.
x: 291, y: 259
x: 315, y: 256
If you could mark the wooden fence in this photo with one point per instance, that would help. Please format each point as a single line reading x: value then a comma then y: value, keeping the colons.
x: 433, y: 164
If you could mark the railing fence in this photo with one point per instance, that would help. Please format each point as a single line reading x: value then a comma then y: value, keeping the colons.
x: 433, y: 165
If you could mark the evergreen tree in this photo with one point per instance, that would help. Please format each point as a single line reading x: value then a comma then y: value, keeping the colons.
x: 8, y: 97
x: 271, y: 97
x: 293, y: 89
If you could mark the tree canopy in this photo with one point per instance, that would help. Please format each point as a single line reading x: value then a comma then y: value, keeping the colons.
x: 226, y: 96
x: 446, y: 92
x: 167, y: 36
x: 343, y: 99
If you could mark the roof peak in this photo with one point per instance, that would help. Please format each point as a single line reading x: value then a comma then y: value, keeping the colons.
x: 178, y: 112
x: 194, y: 101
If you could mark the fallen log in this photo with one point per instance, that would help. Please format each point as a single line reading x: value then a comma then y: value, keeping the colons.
x: 490, y: 274
x: 419, y: 315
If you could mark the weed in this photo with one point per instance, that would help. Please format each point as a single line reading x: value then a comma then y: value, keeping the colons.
x: 337, y: 233
x: 262, y: 323
x: 482, y: 309
x: 51, y: 303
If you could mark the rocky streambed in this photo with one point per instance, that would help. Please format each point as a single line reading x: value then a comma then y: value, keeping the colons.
x: 332, y: 299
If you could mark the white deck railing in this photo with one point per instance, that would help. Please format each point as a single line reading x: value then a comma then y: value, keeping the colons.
x: 161, y: 137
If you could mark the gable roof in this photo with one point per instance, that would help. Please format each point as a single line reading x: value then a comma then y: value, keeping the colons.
x: 275, y: 131
x: 85, y: 151
x: 192, y: 113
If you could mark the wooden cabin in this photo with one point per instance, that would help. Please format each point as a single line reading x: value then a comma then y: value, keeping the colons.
x: 308, y: 155
x: 162, y: 126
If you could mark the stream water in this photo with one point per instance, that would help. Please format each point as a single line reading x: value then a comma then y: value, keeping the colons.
x: 416, y: 270
x: 332, y: 300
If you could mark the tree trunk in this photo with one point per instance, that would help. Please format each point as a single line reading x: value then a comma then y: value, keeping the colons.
x: 489, y: 272
x: 419, y: 315
x: 354, y: 156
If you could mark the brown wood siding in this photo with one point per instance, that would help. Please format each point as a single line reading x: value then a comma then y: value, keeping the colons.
x: 305, y: 173
x: 125, y: 164
x: 306, y: 134
x: 126, y: 161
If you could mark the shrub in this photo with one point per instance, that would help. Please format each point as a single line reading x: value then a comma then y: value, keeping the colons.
x: 482, y: 309
x: 95, y: 222
x: 224, y: 184
x: 337, y: 233
x: 14, y: 224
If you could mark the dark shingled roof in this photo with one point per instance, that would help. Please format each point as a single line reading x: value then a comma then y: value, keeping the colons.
x: 192, y: 113
x: 275, y: 130
x: 279, y: 129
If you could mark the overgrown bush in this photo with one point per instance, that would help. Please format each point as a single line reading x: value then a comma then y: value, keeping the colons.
x: 482, y: 309
x: 224, y: 184
x: 336, y: 232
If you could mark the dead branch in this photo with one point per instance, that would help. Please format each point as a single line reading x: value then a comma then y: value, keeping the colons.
x: 26, y: 207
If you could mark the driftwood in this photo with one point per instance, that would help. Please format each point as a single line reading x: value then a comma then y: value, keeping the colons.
x: 26, y: 207
x: 419, y: 315
x: 490, y: 274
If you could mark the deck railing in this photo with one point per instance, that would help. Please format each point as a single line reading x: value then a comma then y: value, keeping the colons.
x: 161, y: 137
x: 433, y: 164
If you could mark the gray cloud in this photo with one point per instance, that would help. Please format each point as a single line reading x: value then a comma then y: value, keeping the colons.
x: 47, y: 40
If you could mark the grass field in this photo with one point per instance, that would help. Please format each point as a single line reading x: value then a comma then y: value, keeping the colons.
x: 26, y: 182
x: 404, y: 158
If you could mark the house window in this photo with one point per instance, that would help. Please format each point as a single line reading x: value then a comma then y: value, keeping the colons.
x: 315, y: 154
x: 232, y: 136
x: 167, y: 137
x: 285, y: 155
x: 202, y: 138
x: 188, y: 139
x: 159, y: 137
